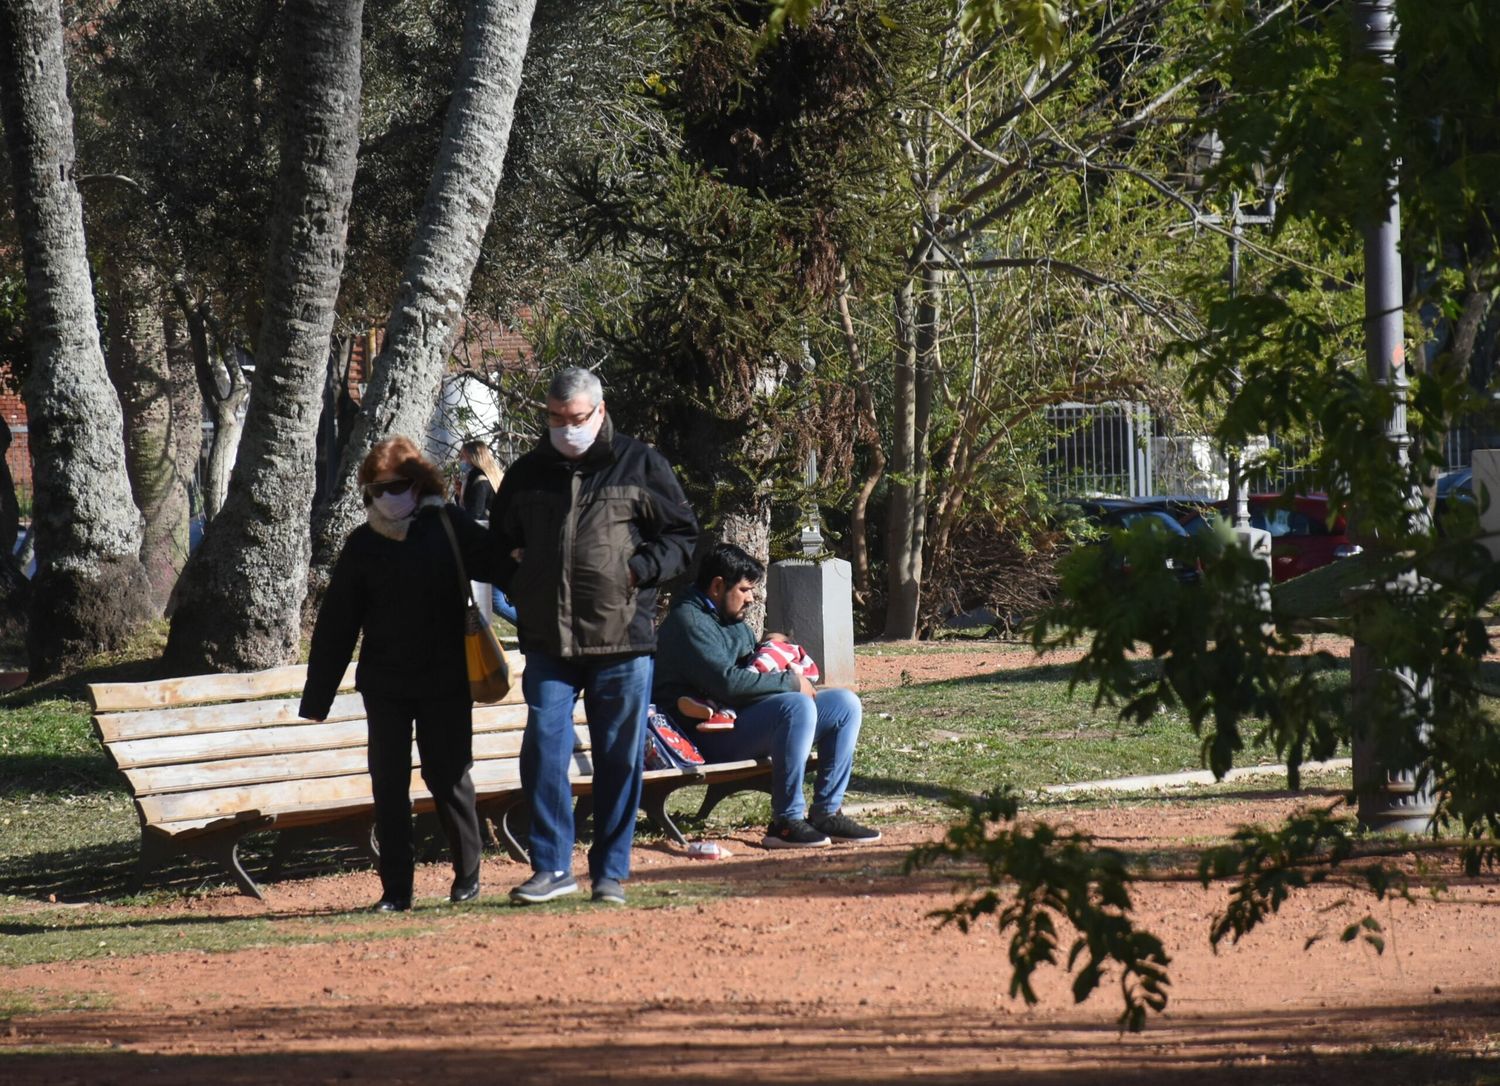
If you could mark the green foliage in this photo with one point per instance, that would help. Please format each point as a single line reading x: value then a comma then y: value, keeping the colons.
x: 1271, y: 864
x: 1052, y: 876
x: 724, y: 202
x: 1240, y: 680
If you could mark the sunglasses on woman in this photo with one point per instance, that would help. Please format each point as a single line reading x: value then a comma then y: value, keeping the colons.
x: 395, y: 486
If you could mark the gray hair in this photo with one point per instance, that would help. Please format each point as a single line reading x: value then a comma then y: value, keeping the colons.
x: 573, y: 381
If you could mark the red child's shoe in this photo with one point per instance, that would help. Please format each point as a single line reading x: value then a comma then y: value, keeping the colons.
x: 710, y: 716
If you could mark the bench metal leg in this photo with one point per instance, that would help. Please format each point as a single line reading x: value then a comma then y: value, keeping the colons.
x: 654, y: 802
x: 505, y: 830
x: 226, y: 852
x: 221, y: 848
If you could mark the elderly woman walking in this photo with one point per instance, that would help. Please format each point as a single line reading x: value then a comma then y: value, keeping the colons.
x: 397, y: 582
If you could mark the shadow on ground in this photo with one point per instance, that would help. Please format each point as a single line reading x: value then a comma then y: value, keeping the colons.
x: 558, y: 1040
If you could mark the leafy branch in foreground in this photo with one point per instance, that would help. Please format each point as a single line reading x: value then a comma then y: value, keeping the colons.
x: 1306, y: 850
x: 1047, y: 875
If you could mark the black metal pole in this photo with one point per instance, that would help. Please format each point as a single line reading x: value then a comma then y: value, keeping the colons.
x: 1389, y: 798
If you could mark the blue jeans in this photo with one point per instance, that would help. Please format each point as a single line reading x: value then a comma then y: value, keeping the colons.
x: 787, y: 727
x: 502, y: 605
x: 616, y: 690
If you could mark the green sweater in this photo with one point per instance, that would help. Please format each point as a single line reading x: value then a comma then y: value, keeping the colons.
x: 698, y: 653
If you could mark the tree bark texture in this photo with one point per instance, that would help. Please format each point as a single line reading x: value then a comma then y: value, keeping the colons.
x: 187, y: 399
x: 916, y: 367
x: 868, y: 435
x: 137, y: 360
x: 225, y: 404
x: 239, y: 605
x: 90, y: 591
x: 899, y: 512
x: 405, y: 377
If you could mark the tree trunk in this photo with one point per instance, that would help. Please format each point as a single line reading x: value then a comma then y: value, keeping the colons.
x: 900, y: 592
x: 137, y: 360
x: 90, y: 591
x: 187, y: 400
x: 240, y: 604
x: 869, y: 435
x: 404, y: 380
x: 917, y: 367
x: 339, y: 359
x: 225, y: 409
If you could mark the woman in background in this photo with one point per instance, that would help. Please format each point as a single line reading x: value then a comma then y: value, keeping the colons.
x: 397, y: 582
x: 481, y: 479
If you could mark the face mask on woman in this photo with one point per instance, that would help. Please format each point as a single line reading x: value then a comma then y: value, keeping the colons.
x: 397, y: 506
x: 574, y: 441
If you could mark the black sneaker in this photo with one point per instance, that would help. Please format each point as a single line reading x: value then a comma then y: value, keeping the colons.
x: 544, y: 886
x: 841, y: 827
x: 793, y: 833
x: 608, y: 891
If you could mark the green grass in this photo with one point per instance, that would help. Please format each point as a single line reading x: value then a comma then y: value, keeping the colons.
x: 923, y: 744
x: 32, y: 934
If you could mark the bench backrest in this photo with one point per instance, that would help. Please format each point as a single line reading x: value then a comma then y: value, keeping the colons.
x: 207, y: 748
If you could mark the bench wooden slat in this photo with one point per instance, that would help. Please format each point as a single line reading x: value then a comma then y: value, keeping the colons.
x: 300, y: 765
x: 204, y: 689
x: 161, y: 693
x: 290, y: 738
x: 185, y: 812
x: 205, y: 720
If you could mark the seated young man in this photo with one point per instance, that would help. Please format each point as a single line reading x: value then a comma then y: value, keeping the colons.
x: 703, y: 648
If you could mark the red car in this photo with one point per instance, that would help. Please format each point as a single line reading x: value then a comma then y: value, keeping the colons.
x: 1303, y: 537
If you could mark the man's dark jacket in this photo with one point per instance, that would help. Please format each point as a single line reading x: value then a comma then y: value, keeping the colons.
x: 700, y: 654
x: 406, y: 597
x: 583, y: 526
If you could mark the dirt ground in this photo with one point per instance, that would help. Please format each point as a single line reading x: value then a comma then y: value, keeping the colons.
x: 820, y: 967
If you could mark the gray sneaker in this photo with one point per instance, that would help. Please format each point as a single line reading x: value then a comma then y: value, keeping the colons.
x: 609, y: 891
x: 544, y: 886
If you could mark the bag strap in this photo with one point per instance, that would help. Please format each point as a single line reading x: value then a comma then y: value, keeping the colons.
x: 458, y: 557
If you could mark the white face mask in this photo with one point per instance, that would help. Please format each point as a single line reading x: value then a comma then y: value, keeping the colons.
x: 574, y: 441
x: 397, y: 506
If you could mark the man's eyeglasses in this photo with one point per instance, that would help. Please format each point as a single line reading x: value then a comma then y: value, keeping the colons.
x: 395, y: 486
x: 555, y: 418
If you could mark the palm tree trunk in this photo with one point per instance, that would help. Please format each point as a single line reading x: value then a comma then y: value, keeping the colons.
x: 90, y: 590
x: 435, y: 282
x: 239, y: 605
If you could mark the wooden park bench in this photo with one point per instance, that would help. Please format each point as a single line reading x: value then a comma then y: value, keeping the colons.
x: 211, y: 759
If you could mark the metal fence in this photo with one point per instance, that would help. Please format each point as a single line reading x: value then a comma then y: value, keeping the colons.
x: 1102, y: 448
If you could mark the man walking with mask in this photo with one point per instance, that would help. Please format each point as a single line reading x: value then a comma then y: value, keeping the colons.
x: 594, y: 520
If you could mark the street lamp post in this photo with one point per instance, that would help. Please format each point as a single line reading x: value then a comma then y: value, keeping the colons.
x: 1255, y: 541
x: 1389, y: 796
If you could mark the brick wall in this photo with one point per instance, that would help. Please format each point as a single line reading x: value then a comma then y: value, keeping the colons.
x: 18, y: 456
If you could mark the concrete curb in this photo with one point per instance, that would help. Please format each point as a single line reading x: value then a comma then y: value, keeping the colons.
x: 1194, y: 778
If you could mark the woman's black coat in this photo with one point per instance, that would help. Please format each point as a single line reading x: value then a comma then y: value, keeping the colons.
x: 408, y: 600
